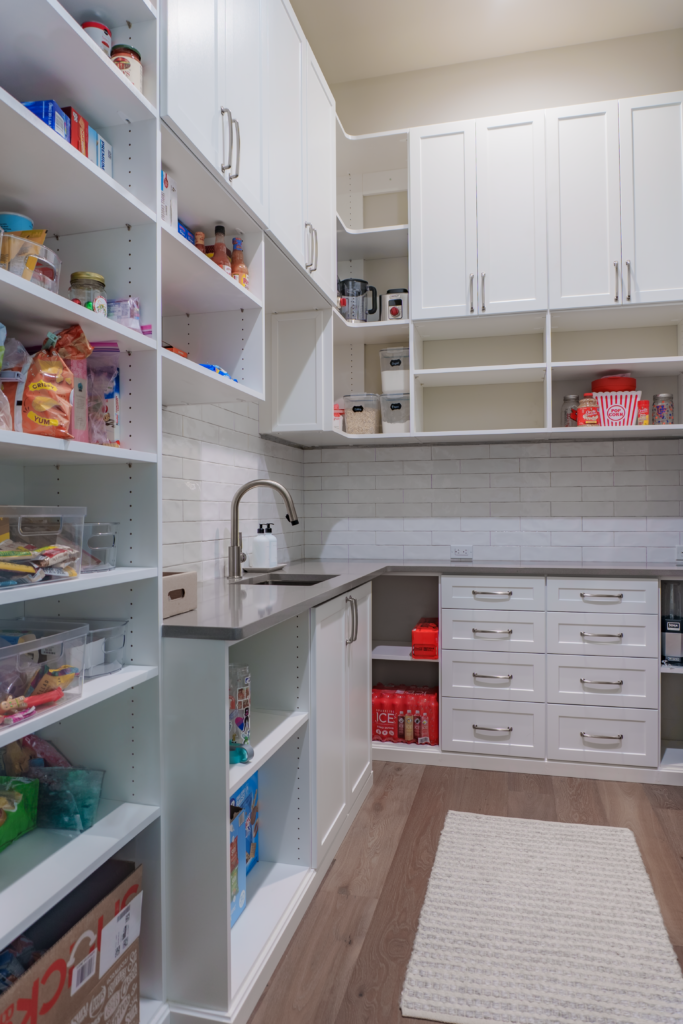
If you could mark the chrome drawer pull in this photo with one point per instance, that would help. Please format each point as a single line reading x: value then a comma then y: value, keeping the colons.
x: 597, y: 736
x: 614, y: 636
x: 586, y: 593
x: 480, y: 675
x: 494, y: 593
x: 494, y: 728
x: 509, y: 631
x: 603, y: 682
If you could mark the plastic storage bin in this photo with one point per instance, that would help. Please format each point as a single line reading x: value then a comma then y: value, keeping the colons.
x: 40, y: 544
x: 99, y: 547
x: 40, y: 655
x: 31, y: 261
x: 394, y: 364
x: 105, y: 640
x: 361, y: 414
x: 395, y: 413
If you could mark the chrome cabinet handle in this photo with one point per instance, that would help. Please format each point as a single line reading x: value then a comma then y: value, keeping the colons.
x: 494, y: 728
x: 587, y: 593
x: 494, y: 593
x: 603, y: 682
x: 480, y: 675
x: 354, y: 619
x: 315, y: 240
x: 491, y: 630
x: 483, y: 293
x: 231, y: 177
x: 471, y: 293
x: 309, y: 228
x: 226, y: 166
x: 616, y: 280
x: 614, y: 636
x: 599, y: 736
x: 628, y: 278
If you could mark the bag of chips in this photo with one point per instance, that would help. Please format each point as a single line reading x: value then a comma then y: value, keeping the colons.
x: 46, y: 406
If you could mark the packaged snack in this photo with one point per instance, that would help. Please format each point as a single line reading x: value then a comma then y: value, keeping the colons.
x: 185, y: 232
x: 169, y: 200
x: 105, y: 156
x: 15, y: 366
x: 93, y: 145
x: 238, y: 865
x: 18, y: 808
x: 16, y: 759
x: 240, y: 704
x: 125, y: 311
x: 178, y: 351
x: 79, y: 130
x: 10, y: 966
x: 39, y: 747
x: 53, y: 116
x: 104, y: 395
x: 247, y: 798
x: 5, y: 412
x: 46, y: 405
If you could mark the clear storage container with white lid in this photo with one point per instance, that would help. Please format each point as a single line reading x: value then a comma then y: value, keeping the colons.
x: 361, y: 414
x: 395, y: 413
x: 40, y: 544
x: 394, y: 364
x: 40, y: 655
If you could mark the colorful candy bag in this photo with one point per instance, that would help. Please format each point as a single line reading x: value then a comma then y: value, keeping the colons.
x: 18, y: 808
x: 46, y: 406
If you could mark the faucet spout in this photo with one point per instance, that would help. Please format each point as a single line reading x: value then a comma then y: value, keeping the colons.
x: 235, y: 554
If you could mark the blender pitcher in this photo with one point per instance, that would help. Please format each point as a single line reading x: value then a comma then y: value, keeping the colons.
x: 354, y: 299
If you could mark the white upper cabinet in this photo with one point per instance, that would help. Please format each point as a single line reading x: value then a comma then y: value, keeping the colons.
x: 584, y: 220
x: 320, y: 221
x: 285, y: 70
x: 443, y: 218
x: 511, y: 213
x: 651, y: 139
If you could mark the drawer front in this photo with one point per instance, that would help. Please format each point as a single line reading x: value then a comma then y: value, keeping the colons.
x: 508, y: 727
x: 612, y: 595
x: 493, y: 676
x: 607, y: 636
x: 603, y: 735
x: 484, y: 630
x: 604, y: 682
x: 493, y: 592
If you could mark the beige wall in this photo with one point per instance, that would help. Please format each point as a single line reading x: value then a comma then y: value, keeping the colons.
x: 633, y: 66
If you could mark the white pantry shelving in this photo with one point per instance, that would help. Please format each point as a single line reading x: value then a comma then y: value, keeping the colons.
x: 371, y: 243
x: 18, y: 447
x: 185, y: 382
x: 192, y: 283
x: 269, y: 730
x: 82, y: 584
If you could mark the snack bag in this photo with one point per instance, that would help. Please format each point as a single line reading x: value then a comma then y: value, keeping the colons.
x: 104, y: 395
x: 18, y: 808
x: 15, y: 366
x: 46, y: 406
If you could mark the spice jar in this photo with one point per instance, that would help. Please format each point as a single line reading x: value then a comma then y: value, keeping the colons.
x: 129, y: 63
x: 587, y: 413
x: 361, y: 414
x: 570, y: 403
x: 662, y: 408
x: 87, y: 289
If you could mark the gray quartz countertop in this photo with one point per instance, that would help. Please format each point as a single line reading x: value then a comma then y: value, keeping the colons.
x: 233, y: 611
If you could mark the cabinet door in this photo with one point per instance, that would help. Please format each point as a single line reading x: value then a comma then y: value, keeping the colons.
x: 192, y: 78
x: 511, y: 213
x: 330, y: 632
x: 584, y: 219
x: 285, y: 100
x: 651, y: 146
x: 244, y: 97
x: 443, y: 219
x: 358, y: 691
x: 321, y: 239
x: 297, y: 341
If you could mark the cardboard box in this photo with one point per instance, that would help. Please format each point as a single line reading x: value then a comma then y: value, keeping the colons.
x: 179, y: 592
x: 238, y: 864
x: 105, y: 156
x: 79, y: 130
x: 246, y: 797
x: 93, y: 145
x: 53, y: 116
x: 169, y: 200
x: 90, y: 974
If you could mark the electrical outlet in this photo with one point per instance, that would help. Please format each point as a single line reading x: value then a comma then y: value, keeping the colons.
x: 679, y: 552
x: 463, y: 552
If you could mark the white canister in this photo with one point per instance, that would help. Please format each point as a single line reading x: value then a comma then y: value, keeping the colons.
x: 129, y: 63
x: 99, y: 33
x: 395, y: 369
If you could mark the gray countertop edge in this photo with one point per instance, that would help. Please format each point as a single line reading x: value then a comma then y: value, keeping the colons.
x: 230, y: 614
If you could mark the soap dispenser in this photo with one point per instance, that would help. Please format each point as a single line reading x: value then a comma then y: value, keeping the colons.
x: 260, y: 549
x: 272, y: 546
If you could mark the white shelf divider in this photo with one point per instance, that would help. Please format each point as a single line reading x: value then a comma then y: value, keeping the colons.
x: 192, y: 283
x: 393, y: 650
x: 40, y: 868
x: 464, y: 375
x: 184, y: 382
x: 19, y: 447
x: 385, y: 332
x: 87, y: 581
x: 269, y: 731
x: 371, y: 243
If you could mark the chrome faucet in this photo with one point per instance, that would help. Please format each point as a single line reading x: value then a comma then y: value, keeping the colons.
x: 235, y: 554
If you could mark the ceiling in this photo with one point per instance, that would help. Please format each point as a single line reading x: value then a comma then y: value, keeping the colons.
x: 356, y: 39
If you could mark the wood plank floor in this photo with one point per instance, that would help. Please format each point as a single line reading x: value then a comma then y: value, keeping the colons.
x: 347, y: 960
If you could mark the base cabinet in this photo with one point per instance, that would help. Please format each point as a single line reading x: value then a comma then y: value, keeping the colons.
x: 515, y: 728
x: 603, y: 735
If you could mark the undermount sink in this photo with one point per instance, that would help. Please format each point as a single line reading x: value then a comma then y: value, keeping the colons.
x: 287, y: 579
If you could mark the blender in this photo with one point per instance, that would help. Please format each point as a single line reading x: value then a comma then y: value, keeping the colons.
x: 353, y: 301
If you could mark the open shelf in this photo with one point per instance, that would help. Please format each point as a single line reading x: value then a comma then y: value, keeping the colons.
x: 464, y: 375
x: 383, y: 332
x: 87, y: 581
x: 675, y: 670
x: 640, y: 314
x: 371, y: 243
x: 662, y: 366
x: 393, y: 650
x: 20, y: 447
x: 191, y: 283
x: 94, y: 691
x: 40, y: 868
x: 269, y: 731
x: 184, y: 382
x: 114, y: 12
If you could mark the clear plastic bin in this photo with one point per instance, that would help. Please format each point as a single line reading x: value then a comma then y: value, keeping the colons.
x: 40, y: 544
x: 103, y: 646
x: 361, y: 414
x: 99, y: 547
x: 31, y: 261
x: 395, y: 413
x: 41, y: 655
x: 394, y: 364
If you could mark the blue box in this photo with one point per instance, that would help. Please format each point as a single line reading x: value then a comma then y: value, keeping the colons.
x: 93, y: 145
x: 105, y: 156
x: 247, y: 798
x: 185, y: 232
x: 238, y: 866
x: 53, y: 116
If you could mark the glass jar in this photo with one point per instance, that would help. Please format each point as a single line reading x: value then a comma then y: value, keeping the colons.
x: 129, y: 63
x: 361, y: 414
x: 570, y: 403
x: 662, y: 408
x: 87, y: 289
x: 395, y: 413
x: 587, y: 414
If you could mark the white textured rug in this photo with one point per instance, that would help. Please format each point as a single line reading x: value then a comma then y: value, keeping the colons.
x: 540, y: 922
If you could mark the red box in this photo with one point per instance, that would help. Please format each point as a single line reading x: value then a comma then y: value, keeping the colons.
x: 426, y: 640
x: 79, y: 130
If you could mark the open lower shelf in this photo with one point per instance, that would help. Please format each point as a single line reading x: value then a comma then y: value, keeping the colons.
x: 184, y: 382
x: 658, y: 366
x: 40, y: 868
x: 672, y: 756
x: 153, y: 1011
x: 383, y: 332
x: 463, y: 375
x: 674, y: 669
x: 94, y: 691
x: 273, y: 891
x: 87, y: 581
x: 392, y: 650
x: 269, y: 730
x: 192, y: 283
x: 22, y: 448
x: 371, y: 243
